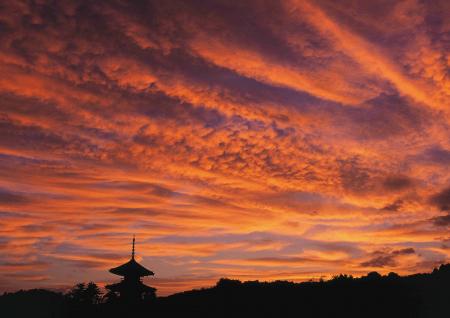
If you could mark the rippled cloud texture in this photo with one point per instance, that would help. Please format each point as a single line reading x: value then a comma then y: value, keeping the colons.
x: 246, y: 139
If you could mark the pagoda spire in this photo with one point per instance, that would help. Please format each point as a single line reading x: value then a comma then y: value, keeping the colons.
x: 132, y: 250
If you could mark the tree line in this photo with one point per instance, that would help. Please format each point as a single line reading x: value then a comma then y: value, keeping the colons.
x: 372, y: 295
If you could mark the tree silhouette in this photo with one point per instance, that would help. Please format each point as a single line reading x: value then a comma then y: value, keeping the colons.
x: 84, y: 294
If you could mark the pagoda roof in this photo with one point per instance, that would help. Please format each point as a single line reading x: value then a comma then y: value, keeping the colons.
x: 131, y: 268
x: 123, y: 285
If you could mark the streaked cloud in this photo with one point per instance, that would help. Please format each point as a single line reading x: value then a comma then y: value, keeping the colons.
x: 254, y: 140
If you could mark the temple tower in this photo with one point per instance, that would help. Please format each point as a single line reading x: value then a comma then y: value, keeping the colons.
x: 131, y: 288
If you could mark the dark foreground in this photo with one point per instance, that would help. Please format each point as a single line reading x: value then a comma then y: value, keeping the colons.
x: 420, y: 295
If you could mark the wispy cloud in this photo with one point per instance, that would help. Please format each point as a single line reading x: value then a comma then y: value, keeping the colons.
x: 257, y: 140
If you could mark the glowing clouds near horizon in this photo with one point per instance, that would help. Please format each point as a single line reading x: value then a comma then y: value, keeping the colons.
x: 255, y: 141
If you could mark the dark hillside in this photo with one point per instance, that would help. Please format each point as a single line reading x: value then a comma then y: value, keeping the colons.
x: 36, y: 303
x: 422, y: 295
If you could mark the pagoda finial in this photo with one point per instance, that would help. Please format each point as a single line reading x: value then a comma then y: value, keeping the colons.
x: 132, y: 251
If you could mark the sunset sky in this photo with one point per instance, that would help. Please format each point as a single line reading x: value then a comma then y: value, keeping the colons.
x: 243, y: 139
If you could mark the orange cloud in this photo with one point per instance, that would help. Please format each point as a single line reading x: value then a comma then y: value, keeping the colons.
x: 252, y: 141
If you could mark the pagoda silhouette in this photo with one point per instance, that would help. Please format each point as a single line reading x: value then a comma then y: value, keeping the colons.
x: 131, y: 288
